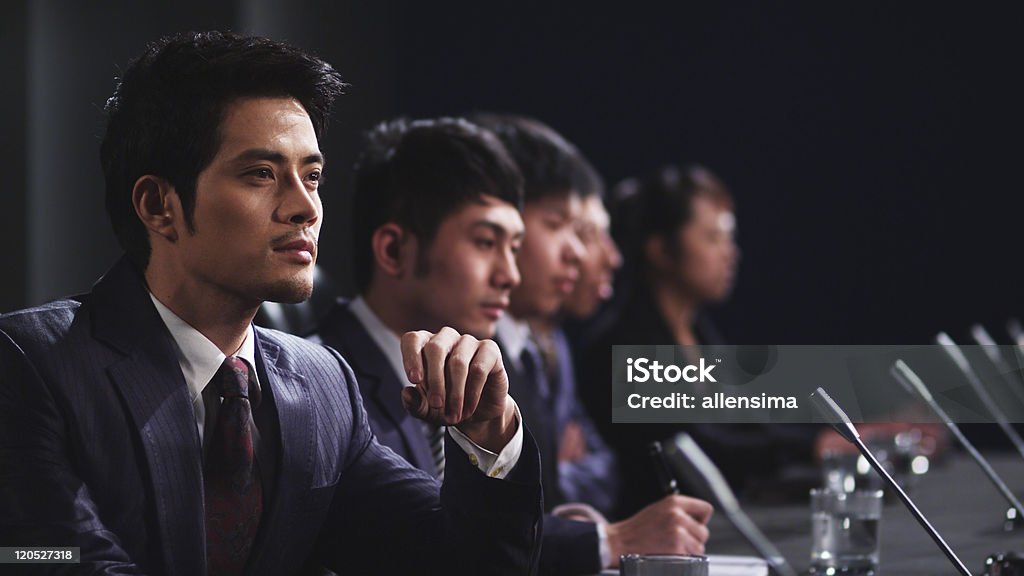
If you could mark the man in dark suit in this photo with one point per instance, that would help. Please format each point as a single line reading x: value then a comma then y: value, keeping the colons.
x: 151, y: 425
x: 557, y: 180
x: 436, y: 232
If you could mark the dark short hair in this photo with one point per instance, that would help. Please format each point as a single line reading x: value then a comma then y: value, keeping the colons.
x: 590, y: 180
x: 660, y: 204
x: 418, y: 173
x: 550, y: 164
x: 165, y: 114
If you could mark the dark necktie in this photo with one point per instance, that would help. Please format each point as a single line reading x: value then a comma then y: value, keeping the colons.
x: 435, y: 437
x: 536, y: 403
x: 234, y: 495
x: 549, y: 357
x: 536, y: 370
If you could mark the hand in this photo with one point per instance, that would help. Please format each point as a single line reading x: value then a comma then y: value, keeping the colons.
x: 459, y: 381
x: 580, y: 512
x: 573, y: 445
x: 673, y: 525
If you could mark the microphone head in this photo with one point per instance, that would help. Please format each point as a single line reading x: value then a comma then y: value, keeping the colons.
x: 909, y: 380
x: 990, y: 347
x: 833, y: 414
x: 981, y: 336
x: 952, y: 350
x: 1016, y: 331
x: 686, y: 460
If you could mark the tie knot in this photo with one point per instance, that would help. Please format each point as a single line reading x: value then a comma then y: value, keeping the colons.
x: 232, y: 379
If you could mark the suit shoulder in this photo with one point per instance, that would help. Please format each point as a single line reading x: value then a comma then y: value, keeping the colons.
x: 334, y: 323
x: 290, y: 342
x: 47, y: 322
x: 297, y: 351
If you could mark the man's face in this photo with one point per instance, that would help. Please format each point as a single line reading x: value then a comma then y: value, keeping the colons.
x: 550, y: 257
x: 707, y: 254
x: 257, y: 211
x: 471, y: 268
x: 601, y: 258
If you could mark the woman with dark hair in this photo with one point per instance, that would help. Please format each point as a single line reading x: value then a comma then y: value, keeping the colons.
x: 676, y: 231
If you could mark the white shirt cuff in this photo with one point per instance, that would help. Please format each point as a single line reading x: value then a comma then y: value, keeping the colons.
x: 603, y: 547
x: 491, y: 464
x: 587, y: 513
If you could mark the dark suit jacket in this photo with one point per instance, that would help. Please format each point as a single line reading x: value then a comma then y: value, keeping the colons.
x: 744, y: 452
x: 99, y: 449
x: 568, y: 547
x: 594, y: 478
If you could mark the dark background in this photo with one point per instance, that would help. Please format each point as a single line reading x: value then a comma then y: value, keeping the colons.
x: 873, y: 148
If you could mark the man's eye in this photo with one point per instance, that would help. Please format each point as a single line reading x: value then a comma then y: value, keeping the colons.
x: 315, y: 176
x: 554, y: 223
x: 262, y: 173
x: 485, y: 243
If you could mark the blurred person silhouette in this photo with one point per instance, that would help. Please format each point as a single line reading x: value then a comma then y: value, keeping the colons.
x: 601, y: 258
x: 601, y: 255
x: 576, y: 464
x: 676, y: 228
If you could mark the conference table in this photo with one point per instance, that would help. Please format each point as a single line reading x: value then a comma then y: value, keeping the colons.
x: 955, y: 496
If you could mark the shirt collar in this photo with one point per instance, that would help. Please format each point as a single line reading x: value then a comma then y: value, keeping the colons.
x: 385, y: 339
x: 514, y: 335
x: 198, y: 357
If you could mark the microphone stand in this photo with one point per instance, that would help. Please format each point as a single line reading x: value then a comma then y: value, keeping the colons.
x: 991, y: 350
x: 913, y: 384
x: 957, y: 355
x: 683, y: 457
x: 842, y: 424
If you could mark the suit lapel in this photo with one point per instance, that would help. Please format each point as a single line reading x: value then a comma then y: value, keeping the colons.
x: 294, y: 405
x: 377, y: 380
x: 564, y: 391
x: 150, y: 381
x: 537, y: 413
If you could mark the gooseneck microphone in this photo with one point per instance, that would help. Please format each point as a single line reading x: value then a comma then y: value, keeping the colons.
x: 991, y: 349
x: 1016, y: 331
x: 957, y: 355
x: 835, y: 416
x: 913, y: 384
x: 685, y: 459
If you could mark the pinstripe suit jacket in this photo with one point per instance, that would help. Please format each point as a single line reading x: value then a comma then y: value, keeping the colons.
x: 99, y: 449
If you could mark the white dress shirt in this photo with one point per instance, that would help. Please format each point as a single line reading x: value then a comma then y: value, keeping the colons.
x: 200, y: 359
x: 515, y: 336
x: 494, y: 465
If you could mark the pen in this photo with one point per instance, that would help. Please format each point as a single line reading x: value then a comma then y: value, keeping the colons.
x: 665, y: 478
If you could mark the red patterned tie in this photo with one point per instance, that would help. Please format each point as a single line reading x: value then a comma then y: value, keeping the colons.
x: 234, y: 495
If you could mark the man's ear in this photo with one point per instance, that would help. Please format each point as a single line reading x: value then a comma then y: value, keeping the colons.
x: 158, y: 206
x: 391, y: 249
x: 656, y: 253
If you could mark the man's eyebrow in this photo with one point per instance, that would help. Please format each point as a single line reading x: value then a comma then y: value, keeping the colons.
x: 274, y: 156
x: 560, y: 211
x: 497, y: 228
